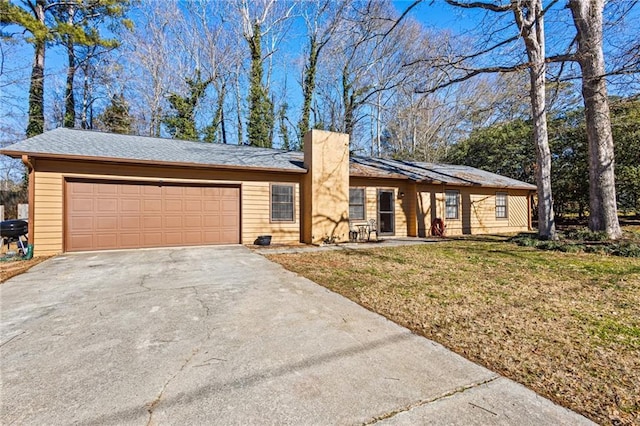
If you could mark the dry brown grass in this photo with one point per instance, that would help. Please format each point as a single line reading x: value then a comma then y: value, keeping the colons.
x: 565, y: 325
x: 10, y: 269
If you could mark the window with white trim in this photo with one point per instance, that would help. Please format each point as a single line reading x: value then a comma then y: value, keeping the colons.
x: 501, y: 205
x: 282, y: 203
x: 452, y: 204
x: 356, y: 204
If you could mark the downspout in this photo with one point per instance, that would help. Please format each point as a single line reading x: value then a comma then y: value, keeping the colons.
x: 28, y: 162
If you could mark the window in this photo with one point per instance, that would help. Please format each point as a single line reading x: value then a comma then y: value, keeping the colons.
x: 451, y: 204
x: 356, y: 204
x: 501, y: 205
x: 282, y: 207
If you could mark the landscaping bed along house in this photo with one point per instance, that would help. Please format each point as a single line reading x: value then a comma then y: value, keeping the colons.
x: 564, y: 322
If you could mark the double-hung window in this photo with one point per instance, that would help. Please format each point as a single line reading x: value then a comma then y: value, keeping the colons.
x: 282, y: 203
x: 501, y: 205
x: 452, y: 204
x: 356, y: 204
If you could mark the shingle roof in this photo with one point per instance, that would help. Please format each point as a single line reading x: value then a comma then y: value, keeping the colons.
x: 87, y: 143
x: 435, y: 173
x: 71, y: 143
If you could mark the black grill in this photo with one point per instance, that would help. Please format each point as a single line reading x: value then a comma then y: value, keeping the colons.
x: 14, y: 231
x: 13, y: 228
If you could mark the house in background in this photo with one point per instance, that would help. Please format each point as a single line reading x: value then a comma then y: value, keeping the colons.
x: 98, y: 191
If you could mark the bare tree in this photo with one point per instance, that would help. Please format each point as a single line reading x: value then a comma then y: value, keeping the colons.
x: 153, y: 69
x: 367, y: 51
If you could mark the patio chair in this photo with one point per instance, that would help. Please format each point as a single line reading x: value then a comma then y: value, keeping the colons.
x: 353, y: 232
x: 373, y: 228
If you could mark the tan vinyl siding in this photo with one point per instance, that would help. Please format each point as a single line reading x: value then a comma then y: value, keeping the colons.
x: 255, y: 215
x: 477, y: 210
x: 48, y: 213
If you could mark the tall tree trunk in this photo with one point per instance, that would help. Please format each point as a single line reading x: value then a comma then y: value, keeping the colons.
x: 529, y: 17
x: 308, y: 87
x: 35, y: 125
x: 70, y: 102
x: 85, y: 119
x: 238, y: 96
x: 603, y: 212
x: 347, y: 100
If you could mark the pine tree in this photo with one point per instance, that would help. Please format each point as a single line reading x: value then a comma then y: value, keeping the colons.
x: 33, y: 18
x: 116, y: 118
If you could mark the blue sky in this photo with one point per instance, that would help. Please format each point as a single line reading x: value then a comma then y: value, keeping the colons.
x: 433, y: 14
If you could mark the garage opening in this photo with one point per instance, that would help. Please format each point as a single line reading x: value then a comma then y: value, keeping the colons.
x: 104, y: 215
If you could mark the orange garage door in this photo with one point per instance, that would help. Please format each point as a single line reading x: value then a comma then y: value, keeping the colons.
x: 114, y: 215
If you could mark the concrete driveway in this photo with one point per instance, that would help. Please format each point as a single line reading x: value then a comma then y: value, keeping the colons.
x: 220, y: 335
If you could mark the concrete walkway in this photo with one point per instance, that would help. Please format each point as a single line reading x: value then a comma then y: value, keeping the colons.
x: 220, y: 335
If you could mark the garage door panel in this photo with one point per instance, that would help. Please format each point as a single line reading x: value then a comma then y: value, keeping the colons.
x: 106, y: 241
x: 83, y: 223
x: 151, y: 190
x: 193, y: 222
x: 228, y: 236
x: 229, y: 206
x: 82, y: 188
x: 130, y: 240
x: 172, y: 222
x: 151, y: 222
x: 212, y: 206
x: 83, y: 240
x: 193, y: 237
x: 130, y: 190
x: 152, y: 205
x: 211, y: 221
x: 109, y: 205
x: 173, y: 191
x: 152, y: 239
x: 173, y: 205
x: 211, y: 236
x: 193, y: 205
x: 229, y: 221
x: 110, y: 215
x: 194, y: 191
x: 105, y: 223
x: 130, y: 223
x: 106, y: 189
x: 131, y: 205
x: 172, y: 238
x: 82, y: 204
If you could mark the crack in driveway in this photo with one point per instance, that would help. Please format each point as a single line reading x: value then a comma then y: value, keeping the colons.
x: 153, y: 404
x: 423, y: 402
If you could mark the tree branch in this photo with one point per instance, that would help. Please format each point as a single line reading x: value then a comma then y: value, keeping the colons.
x: 480, y: 5
x: 473, y: 73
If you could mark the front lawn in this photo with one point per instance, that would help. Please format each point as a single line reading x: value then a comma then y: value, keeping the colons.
x: 567, y: 325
